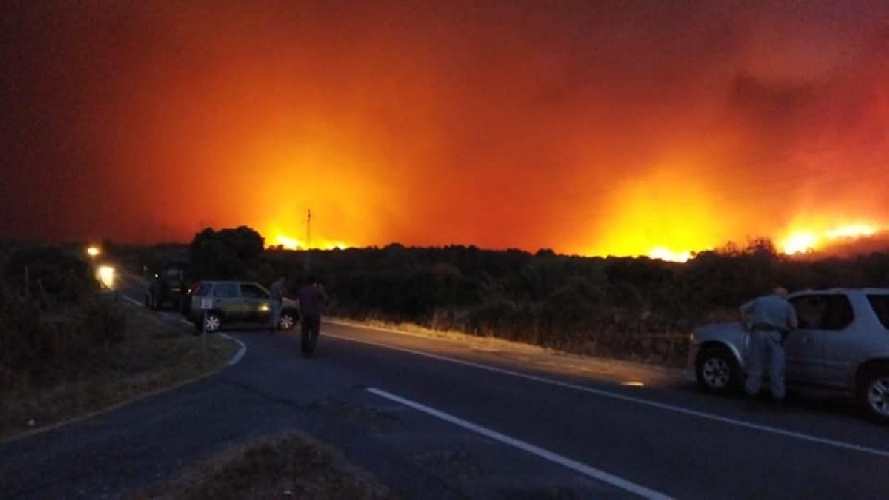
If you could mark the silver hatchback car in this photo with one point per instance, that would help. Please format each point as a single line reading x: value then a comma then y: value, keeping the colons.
x: 841, y: 345
x: 227, y: 302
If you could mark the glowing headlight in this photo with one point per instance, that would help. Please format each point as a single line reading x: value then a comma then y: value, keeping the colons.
x: 105, y: 274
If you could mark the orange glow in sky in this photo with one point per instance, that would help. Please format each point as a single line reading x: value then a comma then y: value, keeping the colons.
x: 588, y: 128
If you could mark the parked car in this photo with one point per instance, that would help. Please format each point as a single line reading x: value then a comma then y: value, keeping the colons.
x: 220, y: 303
x: 841, y: 346
x: 168, y: 286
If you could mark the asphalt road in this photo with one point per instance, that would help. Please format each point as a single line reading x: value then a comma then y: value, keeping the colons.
x: 441, y: 418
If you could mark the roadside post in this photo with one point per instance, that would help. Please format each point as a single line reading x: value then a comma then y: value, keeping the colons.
x: 206, y: 305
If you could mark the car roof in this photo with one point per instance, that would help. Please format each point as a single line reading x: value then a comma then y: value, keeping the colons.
x: 866, y: 290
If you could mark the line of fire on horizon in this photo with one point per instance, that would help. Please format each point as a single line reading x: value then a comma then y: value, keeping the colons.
x: 796, y: 242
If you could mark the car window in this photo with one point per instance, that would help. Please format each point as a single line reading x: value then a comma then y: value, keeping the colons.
x: 809, y: 310
x: 880, y: 305
x: 173, y: 273
x: 823, y: 312
x: 225, y: 290
x: 252, y: 291
x: 838, y: 314
x: 202, y: 290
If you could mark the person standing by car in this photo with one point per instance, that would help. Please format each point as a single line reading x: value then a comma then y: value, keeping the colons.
x: 768, y: 319
x: 276, y: 299
x: 310, y: 298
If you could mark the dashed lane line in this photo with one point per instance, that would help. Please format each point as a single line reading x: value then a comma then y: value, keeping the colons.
x: 581, y: 468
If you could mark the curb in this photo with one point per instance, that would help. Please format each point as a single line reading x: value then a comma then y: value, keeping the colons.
x: 242, y: 349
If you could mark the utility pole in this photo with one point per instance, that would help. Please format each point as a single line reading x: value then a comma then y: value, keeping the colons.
x: 309, y: 229
x: 307, y: 264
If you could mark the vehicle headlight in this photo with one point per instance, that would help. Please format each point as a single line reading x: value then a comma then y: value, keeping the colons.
x: 105, y: 275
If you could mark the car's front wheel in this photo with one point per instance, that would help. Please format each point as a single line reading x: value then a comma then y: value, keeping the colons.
x: 873, y: 393
x: 717, y: 370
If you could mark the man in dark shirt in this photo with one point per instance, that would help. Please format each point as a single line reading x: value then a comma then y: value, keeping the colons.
x: 310, y: 298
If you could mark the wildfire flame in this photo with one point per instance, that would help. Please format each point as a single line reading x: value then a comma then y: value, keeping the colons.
x: 796, y: 242
x: 296, y: 244
x: 669, y: 255
x: 808, y: 240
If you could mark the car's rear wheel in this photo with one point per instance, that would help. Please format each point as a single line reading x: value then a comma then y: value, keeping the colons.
x: 288, y: 320
x: 717, y: 370
x: 873, y: 393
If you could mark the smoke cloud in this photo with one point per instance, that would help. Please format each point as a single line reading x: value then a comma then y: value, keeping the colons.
x: 587, y: 127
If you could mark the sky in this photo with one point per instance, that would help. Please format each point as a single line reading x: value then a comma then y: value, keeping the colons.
x: 590, y: 128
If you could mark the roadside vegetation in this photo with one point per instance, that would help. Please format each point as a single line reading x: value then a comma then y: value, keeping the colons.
x: 292, y: 465
x: 69, y: 348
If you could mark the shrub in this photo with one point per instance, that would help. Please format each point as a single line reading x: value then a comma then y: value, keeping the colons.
x: 40, y: 348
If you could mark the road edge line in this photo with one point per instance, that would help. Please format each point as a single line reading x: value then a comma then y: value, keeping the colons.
x: 242, y: 349
x: 236, y: 358
x: 843, y: 445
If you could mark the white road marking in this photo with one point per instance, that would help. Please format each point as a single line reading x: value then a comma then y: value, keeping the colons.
x: 134, y: 301
x: 578, y: 467
x: 242, y: 349
x: 654, y: 404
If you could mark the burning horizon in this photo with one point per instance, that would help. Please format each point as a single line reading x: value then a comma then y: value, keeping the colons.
x: 661, y: 128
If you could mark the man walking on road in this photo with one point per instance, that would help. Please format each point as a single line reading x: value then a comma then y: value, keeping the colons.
x: 769, y: 319
x: 310, y: 299
x: 276, y: 299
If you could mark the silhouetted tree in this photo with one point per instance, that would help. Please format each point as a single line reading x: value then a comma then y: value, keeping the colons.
x: 225, y: 254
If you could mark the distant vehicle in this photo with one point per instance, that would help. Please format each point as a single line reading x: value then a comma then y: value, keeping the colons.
x: 233, y: 302
x: 841, y: 346
x: 168, y: 287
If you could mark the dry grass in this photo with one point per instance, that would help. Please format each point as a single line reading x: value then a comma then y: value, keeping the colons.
x: 292, y: 465
x: 667, y: 350
x: 154, y: 353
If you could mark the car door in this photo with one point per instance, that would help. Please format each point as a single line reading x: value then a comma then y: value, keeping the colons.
x: 256, y: 300
x: 227, y: 300
x: 840, y: 345
x: 802, y: 354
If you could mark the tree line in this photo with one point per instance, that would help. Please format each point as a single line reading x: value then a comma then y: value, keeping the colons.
x: 636, y: 308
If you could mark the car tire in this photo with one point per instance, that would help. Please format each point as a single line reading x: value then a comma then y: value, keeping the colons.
x: 287, y: 321
x: 717, y: 371
x: 212, y: 322
x: 873, y: 393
